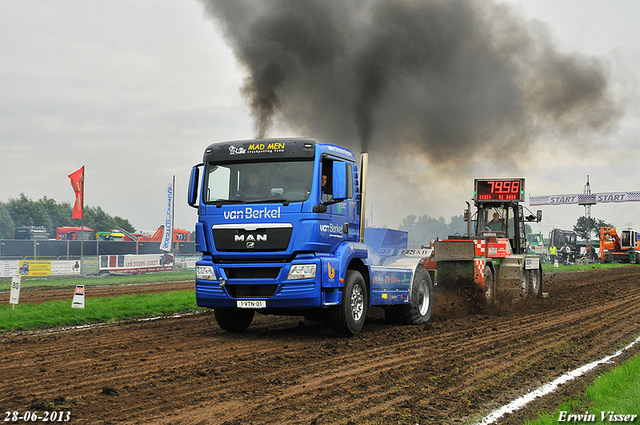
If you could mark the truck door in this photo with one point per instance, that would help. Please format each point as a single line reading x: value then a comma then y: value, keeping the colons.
x: 337, y: 194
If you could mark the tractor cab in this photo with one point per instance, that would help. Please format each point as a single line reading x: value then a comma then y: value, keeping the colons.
x: 503, y: 220
x: 499, y: 212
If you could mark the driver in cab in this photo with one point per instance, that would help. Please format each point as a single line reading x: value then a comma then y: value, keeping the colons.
x: 496, y: 224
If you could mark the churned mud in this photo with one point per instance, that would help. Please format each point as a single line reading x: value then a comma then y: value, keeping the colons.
x: 287, y: 370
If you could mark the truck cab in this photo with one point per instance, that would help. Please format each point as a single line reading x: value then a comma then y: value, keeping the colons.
x: 280, y: 232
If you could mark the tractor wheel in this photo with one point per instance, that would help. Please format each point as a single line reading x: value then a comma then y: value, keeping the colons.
x: 348, y: 318
x: 489, y: 293
x: 534, y: 279
x: 418, y: 311
x: 233, y: 319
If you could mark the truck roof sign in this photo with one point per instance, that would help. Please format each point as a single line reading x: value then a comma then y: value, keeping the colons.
x: 260, y: 150
x: 498, y: 190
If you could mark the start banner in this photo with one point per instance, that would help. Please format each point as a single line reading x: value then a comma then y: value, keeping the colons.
x: 585, y: 198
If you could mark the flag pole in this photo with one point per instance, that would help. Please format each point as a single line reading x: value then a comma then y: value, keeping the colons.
x: 82, y: 223
x: 173, y: 208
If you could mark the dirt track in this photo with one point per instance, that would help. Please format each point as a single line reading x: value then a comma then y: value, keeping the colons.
x: 289, y: 371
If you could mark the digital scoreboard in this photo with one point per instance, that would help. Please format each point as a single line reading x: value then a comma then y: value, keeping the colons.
x: 499, y: 190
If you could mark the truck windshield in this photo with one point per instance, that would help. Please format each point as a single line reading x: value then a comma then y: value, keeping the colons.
x: 284, y: 181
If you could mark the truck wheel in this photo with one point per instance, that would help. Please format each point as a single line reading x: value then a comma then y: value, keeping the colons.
x: 348, y: 318
x: 418, y: 311
x: 534, y: 277
x: 233, y: 319
x: 489, y: 293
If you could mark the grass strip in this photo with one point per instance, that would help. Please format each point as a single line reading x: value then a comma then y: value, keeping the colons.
x: 549, y: 268
x: 97, y: 310
x: 38, y: 282
x: 616, y: 392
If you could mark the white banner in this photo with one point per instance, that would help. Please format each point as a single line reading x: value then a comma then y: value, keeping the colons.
x: 167, y: 234
x: 585, y: 198
x: 133, y: 264
x: 65, y: 268
x: 9, y: 267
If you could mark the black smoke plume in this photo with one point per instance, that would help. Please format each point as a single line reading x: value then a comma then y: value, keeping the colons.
x: 445, y: 79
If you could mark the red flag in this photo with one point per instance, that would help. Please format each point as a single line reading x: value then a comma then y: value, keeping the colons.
x: 77, y: 183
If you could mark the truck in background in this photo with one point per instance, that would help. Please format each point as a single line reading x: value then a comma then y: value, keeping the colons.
x: 110, y: 236
x: 30, y: 232
x: 69, y: 233
x: 536, y: 246
x: 558, y: 238
x: 281, y: 231
x: 492, y: 258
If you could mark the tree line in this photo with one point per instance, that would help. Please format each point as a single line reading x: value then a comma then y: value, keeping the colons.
x: 422, y: 229
x: 49, y: 214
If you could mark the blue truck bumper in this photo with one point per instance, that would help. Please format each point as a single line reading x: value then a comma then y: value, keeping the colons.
x: 263, y: 286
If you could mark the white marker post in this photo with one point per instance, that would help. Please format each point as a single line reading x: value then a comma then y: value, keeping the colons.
x: 78, y: 297
x: 15, y: 290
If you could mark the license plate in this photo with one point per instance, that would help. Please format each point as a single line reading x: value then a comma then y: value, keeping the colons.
x: 252, y: 304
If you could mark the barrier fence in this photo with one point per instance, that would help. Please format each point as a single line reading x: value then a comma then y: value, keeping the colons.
x: 117, y: 264
x: 15, y: 249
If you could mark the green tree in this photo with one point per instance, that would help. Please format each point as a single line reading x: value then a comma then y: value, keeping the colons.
x: 59, y: 214
x: 594, y: 226
x: 124, y: 224
x: 422, y: 229
x: 26, y: 212
x: 457, y: 225
x: 6, y: 223
x: 98, y: 220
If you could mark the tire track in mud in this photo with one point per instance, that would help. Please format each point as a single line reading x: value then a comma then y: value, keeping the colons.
x: 283, y: 370
x: 476, y: 358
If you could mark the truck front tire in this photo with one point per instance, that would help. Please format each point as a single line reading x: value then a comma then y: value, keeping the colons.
x: 348, y: 318
x: 233, y: 319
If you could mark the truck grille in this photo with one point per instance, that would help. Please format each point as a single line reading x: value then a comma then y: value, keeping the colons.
x: 252, y: 272
x: 251, y: 291
x: 261, y: 237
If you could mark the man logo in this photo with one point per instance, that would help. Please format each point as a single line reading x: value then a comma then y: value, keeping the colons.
x: 251, y: 245
x: 250, y: 238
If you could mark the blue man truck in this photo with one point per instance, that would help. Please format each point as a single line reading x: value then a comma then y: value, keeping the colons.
x: 281, y: 231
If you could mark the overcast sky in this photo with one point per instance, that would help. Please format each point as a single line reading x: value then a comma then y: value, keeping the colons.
x: 135, y: 90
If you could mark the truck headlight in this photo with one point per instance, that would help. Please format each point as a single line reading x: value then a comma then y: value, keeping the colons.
x: 302, y: 271
x: 205, y: 273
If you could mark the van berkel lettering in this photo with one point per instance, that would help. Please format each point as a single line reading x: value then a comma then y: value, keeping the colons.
x: 248, y: 213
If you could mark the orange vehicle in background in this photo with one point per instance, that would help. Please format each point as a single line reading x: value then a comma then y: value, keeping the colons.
x: 616, y: 249
x: 67, y: 233
x: 179, y: 235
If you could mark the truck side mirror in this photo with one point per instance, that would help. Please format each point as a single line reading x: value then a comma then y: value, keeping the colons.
x: 339, y: 182
x: 192, y: 192
x: 539, y: 215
